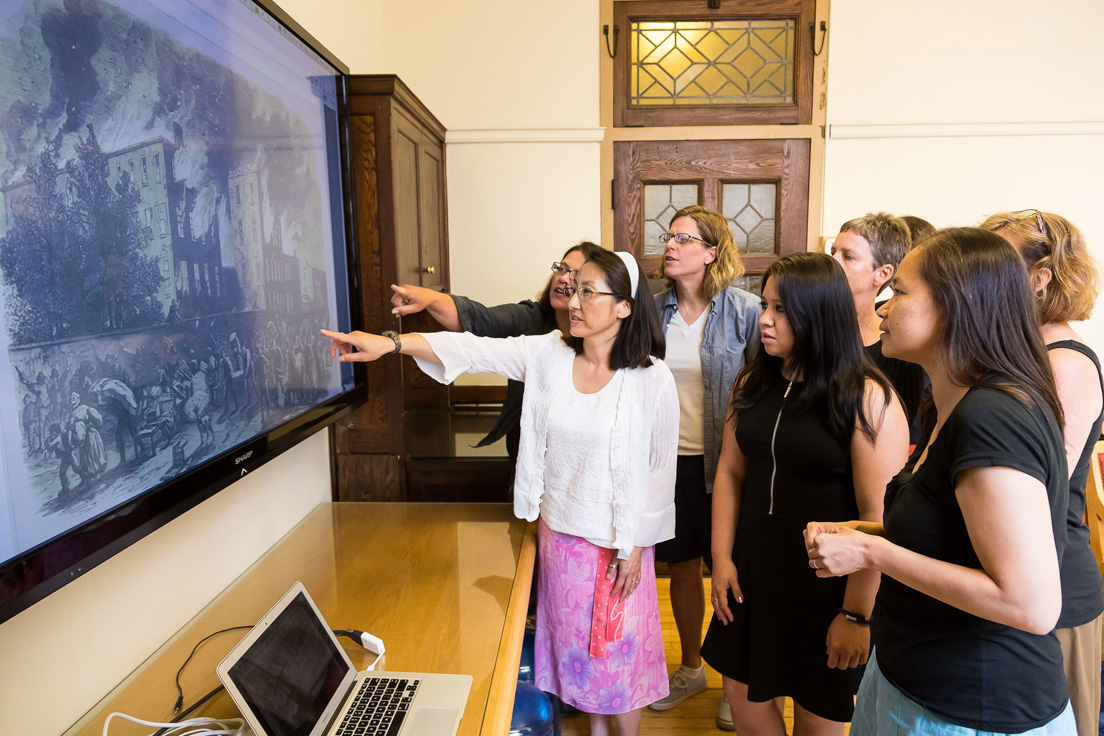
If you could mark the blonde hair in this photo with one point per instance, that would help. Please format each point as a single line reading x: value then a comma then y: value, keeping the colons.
x: 1046, y: 240
x: 726, y: 266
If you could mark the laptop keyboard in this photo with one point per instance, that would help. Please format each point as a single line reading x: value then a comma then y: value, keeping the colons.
x: 379, y: 707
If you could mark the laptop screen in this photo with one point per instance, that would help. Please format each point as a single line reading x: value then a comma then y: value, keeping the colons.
x: 291, y: 672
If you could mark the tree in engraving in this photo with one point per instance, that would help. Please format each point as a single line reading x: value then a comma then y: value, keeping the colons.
x: 74, y: 260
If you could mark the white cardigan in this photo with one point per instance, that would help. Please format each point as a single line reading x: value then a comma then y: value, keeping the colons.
x: 642, y: 450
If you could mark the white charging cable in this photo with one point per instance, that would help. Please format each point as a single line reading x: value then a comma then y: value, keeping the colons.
x: 190, y: 727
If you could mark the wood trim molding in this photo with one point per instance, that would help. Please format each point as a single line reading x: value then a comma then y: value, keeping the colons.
x: 532, y: 135
x: 500, y: 700
x: 799, y: 112
x: 389, y: 85
x: 854, y: 131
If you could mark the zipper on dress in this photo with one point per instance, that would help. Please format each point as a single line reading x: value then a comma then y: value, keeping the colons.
x: 774, y: 434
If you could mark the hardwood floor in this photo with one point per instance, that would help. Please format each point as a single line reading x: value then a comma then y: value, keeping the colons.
x: 694, y: 716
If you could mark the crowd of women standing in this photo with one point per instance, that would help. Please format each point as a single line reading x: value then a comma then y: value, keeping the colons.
x: 768, y: 439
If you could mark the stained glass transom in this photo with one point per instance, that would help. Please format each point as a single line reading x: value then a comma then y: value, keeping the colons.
x: 749, y: 209
x: 661, y: 202
x: 722, y: 62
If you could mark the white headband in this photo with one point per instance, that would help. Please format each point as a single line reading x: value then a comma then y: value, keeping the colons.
x: 634, y: 269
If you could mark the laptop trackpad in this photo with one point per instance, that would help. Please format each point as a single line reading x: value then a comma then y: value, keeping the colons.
x: 431, y: 722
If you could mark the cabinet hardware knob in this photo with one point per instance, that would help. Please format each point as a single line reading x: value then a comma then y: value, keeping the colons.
x: 430, y: 270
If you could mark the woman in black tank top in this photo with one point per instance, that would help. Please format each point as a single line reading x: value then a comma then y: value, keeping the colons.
x: 1064, y: 279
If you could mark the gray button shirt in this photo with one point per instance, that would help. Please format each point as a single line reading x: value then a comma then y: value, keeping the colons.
x: 730, y: 339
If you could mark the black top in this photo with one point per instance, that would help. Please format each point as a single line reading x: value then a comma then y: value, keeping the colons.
x: 910, y: 382
x: 968, y: 670
x: 505, y: 320
x: 798, y: 470
x: 1082, y: 598
x: 796, y: 466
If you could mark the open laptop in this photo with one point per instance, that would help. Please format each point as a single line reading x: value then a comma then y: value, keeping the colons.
x: 290, y: 677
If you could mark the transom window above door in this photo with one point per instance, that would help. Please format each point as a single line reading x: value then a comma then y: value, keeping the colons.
x: 684, y: 63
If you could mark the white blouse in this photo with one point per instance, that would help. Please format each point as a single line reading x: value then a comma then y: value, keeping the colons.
x: 683, y: 357
x: 599, y: 466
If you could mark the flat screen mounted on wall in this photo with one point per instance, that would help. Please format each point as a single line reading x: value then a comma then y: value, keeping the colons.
x: 174, y: 229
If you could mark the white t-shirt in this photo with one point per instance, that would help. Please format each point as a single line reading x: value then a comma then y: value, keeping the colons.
x: 684, y: 359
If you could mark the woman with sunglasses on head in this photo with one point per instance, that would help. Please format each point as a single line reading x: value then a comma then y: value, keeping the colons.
x: 975, y: 523
x: 815, y: 430
x: 460, y: 314
x: 712, y: 329
x: 1064, y: 278
x: 599, y: 434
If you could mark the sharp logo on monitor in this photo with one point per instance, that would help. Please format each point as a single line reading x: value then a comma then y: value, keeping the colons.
x: 241, y: 459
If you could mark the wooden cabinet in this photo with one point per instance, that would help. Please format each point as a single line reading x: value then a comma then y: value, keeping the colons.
x: 400, y: 444
x: 398, y: 179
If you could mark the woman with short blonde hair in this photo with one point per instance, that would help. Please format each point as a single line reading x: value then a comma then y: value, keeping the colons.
x: 1064, y: 278
x: 726, y: 266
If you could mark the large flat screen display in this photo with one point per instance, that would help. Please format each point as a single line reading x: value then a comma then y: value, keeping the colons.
x: 174, y: 230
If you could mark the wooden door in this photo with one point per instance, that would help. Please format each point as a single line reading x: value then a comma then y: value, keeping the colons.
x: 406, y: 139
x: 431, y: 210
x: 760, y: 186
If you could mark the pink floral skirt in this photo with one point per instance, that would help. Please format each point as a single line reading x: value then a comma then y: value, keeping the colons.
x: 634, y: 671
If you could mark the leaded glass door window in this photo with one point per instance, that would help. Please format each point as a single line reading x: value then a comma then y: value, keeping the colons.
x: 682, y: 63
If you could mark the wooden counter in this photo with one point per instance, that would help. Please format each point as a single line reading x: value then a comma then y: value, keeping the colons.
x: 446, y: 586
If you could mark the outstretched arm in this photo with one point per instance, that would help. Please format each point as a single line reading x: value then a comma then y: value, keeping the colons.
x: 409, y: 299
x: 362, y: 347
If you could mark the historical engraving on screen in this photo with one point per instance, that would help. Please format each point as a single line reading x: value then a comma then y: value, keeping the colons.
x: 166, y: 251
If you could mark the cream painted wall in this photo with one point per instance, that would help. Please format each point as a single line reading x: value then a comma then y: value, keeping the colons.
x: 87, y: 637
x: 528, y: 72
x: 507, y: 70
x: 498, y: 64
x: 504, y: 240
x: 962, y: 77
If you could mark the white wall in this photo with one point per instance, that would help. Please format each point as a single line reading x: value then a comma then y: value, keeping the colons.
x: 515, y: 82
x: 952, y: 111
x: 517, y: 70
x: 87, y: 637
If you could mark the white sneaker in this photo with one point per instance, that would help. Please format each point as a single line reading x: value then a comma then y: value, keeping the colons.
x: 684, y: 682
x: 724, y: 715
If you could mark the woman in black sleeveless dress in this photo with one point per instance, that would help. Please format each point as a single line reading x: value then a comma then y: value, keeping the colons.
x: 815, y: 430
x: 1064, y: 279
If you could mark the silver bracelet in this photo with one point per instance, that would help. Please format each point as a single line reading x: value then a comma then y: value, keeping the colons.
x: 395, y: 339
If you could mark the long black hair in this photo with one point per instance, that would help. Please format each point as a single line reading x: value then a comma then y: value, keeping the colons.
x: 544, y: 299
x: 827, y: 352
x: 640, y: 336
x: 990, y: 324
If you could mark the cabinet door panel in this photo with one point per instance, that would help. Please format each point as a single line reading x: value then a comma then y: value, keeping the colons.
x: 430, y: 188
x: 405, y: 139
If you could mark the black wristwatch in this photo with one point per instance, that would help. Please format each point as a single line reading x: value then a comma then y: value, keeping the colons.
x: 857, y: 618
x: 395, y: 339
